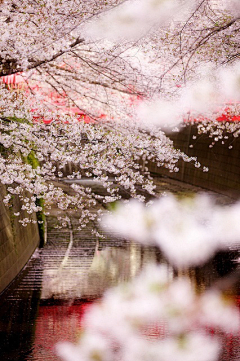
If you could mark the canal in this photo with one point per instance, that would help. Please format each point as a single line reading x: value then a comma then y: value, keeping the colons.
x: 46, y: 302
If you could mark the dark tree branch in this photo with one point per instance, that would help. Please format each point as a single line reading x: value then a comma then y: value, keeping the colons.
x: 12, y: 66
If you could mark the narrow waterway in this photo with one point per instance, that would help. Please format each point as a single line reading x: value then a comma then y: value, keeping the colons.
x: 45, y: 304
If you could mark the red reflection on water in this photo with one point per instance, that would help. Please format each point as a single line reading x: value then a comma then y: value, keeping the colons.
x: 230, y: 342
x: 56, y: 323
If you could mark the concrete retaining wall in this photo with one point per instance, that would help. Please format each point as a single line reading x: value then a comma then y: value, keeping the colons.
x: 223, y: 163
x: 17, y: 243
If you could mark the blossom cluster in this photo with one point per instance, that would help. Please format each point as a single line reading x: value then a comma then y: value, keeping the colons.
x: 188, y: 231
x: 35, y: 156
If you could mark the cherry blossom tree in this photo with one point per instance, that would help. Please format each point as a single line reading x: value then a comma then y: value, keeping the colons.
x: 44, y: 41
x: 96, y: 54
x: 96, y: 59
x: 156, y: 317
x: 101, y: 64
x: 105, y: 58
x: 43, y: 44
x: 34, y: 156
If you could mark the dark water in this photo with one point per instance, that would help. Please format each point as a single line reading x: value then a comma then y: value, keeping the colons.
x: 46, y: 302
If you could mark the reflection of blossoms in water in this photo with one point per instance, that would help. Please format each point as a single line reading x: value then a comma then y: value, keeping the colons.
x: 188, y: 231
x: 153, y: 318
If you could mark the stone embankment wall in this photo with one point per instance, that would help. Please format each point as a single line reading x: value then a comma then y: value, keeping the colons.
x: 17, y: 243
x: 222, y: 160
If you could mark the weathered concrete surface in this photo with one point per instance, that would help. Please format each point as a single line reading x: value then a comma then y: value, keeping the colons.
x: 223, y: 162
x: 17, y: 243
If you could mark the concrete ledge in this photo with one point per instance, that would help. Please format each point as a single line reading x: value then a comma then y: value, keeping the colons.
x: 17, y: 243
x: 223, y: 163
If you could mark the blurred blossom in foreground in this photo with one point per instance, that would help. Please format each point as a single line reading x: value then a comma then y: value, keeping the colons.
x: 199, y: 97
x: 159, y: 112
x: 188, y: 231
x: 230, y: 80
x: 123, y: 21
x: 206, y: 96
x: 233, y: 6
x: 153, y: 318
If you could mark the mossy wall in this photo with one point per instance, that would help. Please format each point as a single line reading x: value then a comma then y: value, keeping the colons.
x: 221, y: 159
x: 17, y: 243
